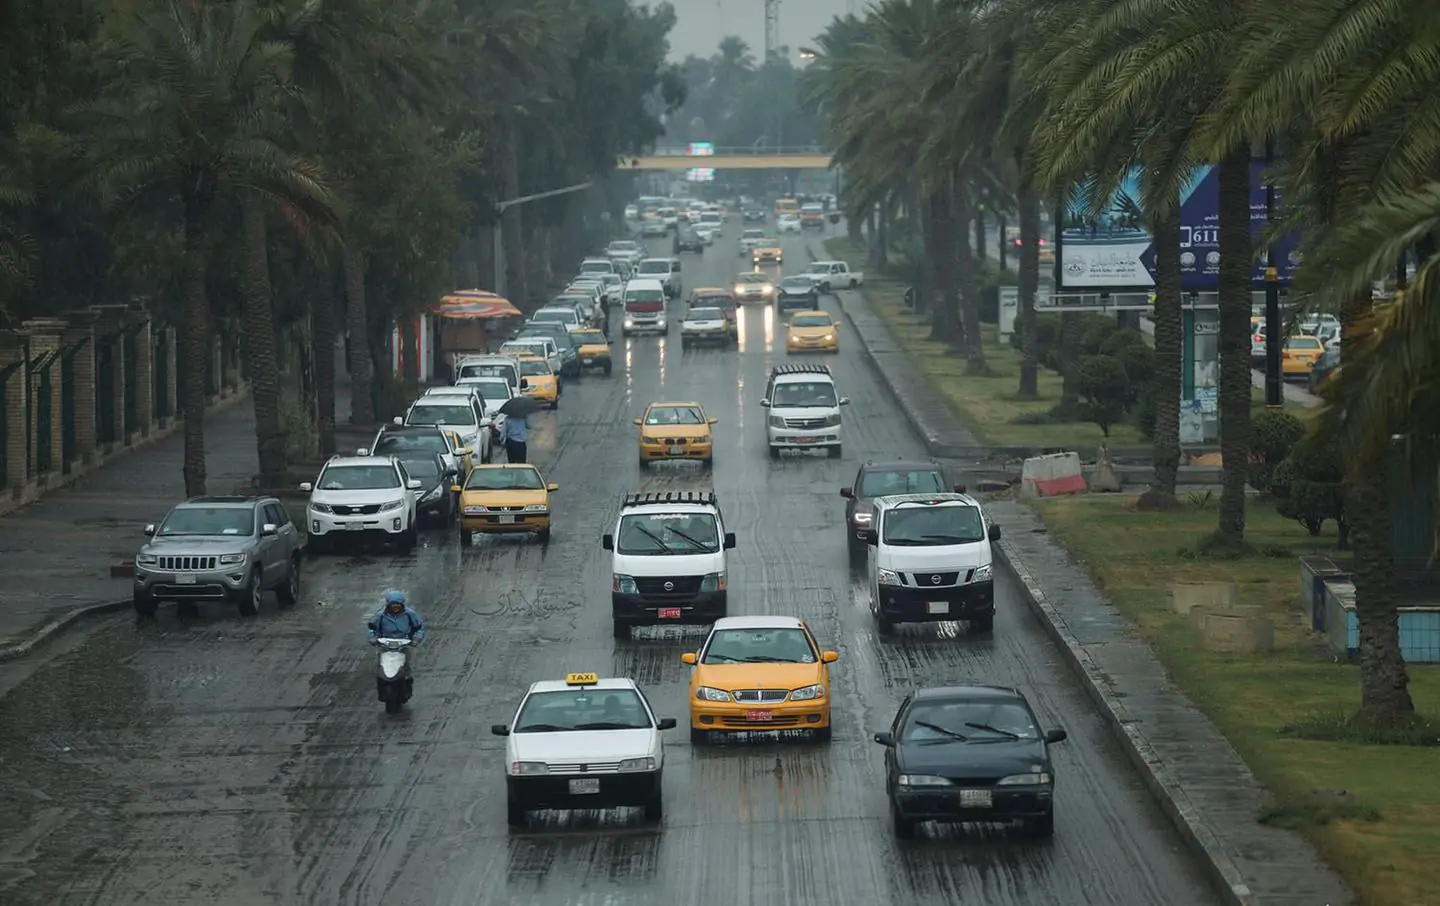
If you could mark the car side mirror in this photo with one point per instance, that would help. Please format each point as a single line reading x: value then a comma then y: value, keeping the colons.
x: 150, y: 529
x: 269, y: 528
x: 464, y: 451
x: 829, y: 657
x: 960, y: 489
x: 994, y: 533
x: 552, y: 488
x: 844, y: 400
x: 713, y: 421
x: 635, y: 421
x: 456, y: 488
x: 304, y: 486
x: 500, y: 729
x: 729, y: 541
x: 765, y: 404
x: 607, y: 542
x: 1056, y: 735
x: 886, y: 739
x: 665, y: 723
x: 397, y: 420
x: 847, y: 493
x: 688, y: 658
x: 871, y: 538
x: 362, y: 451
x: 524, y: 383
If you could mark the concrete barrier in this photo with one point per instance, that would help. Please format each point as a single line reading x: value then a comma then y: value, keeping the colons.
x: 1052, y: 476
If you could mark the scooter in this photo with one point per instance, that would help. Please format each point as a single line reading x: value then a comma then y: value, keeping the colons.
x: 393, y: 682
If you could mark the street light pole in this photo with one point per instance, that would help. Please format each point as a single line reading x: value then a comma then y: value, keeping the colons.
x: 1274, y: 386
x: 497, y: 247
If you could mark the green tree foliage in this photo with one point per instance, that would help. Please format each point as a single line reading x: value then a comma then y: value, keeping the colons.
x: 1276, y: 434
x: 1105, y: 390
x: 1307, y: 486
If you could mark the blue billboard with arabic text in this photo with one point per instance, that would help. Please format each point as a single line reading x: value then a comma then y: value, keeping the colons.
x: 1115, y: 251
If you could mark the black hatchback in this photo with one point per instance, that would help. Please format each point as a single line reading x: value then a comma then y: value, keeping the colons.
x: 969, y: 754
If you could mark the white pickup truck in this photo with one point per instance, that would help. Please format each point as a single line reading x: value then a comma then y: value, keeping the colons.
x: 829, y: 276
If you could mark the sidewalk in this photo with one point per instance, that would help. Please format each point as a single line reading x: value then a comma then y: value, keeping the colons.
x: 1186, y: 763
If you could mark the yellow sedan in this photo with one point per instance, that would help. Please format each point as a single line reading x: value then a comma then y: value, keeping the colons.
x: 1300, y: 355
x: 594, y: 349
x: 538, y: 381
x: 812, y: 331
x: 675, y: 431
x: 505, y: 499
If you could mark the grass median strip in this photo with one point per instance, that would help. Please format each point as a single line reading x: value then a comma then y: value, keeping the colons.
x: 1372, y: 809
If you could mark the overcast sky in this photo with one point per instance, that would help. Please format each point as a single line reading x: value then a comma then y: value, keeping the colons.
x: 704, y: 22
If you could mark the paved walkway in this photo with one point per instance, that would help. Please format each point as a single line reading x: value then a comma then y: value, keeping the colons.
x: 1192, y: 770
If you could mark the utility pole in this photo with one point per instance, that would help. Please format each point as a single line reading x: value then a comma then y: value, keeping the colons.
x: 498, y: 233
x: 772, y: 28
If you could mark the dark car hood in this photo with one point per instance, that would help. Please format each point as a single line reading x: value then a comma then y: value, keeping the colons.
x: 976, y: 759
x: 798, y: 290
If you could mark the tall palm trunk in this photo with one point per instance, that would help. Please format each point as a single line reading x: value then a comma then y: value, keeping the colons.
x: 1235, y: 383
x: 940, y: 249
x: 195, y: 337
x: 511, y: 223
x: 1029, y: 265
x: 968, y: 315
x: 410, y: 352
x: 322, y: 351
x: 357, y: 320
x: 1169, y: 354
x: 260, y: 343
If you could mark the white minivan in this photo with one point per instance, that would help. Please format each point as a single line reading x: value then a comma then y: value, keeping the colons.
x: 646, y: 308
x: 929, y: 561
x: 804, y: 410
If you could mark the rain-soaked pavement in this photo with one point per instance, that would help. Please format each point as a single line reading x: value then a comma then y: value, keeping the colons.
x: 247, y: 762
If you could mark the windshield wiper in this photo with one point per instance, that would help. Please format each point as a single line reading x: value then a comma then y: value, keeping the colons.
x: 952, y: 539
x: 723, y: 657
x: 609, y: 726
x: 698, y: 544
x: 989, y: 729
x: 767, y: 659
x: 939, y: 729
x: 652, y: 536
x: 539, y: 728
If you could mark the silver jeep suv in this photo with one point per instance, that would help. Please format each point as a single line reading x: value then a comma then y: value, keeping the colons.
x: 220, y: 549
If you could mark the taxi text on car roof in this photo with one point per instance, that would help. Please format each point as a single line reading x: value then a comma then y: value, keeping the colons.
x: 581, y: 679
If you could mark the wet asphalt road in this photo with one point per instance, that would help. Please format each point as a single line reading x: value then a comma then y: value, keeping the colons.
x: 247, y: 762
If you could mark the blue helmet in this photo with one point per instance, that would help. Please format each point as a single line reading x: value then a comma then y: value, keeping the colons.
x: 394, y: 596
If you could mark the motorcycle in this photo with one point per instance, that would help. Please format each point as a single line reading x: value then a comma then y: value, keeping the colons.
x: 393, y: 682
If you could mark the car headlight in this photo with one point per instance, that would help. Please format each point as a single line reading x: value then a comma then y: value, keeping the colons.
x: 391, y: 505
x: 767, y: 288
x: 886, y: 577
x: 146, y: 560
x: 713, y: 582
x: 624, y: 584
x: 647, y: 439
x: 1036, y: 778
x: 472, y: 510
x: 536, y: 508
x: 981, y: 575
x: 832, y: 421
x: 521, y: 768
x: 321, y: 507
x: 777, y: 421
x: 232, y: 559
x: 922, y: 780
x: 635, y: 765
x: 434, y: 493
x: 629, y: 322
x: 808, y: 693
x: 739, y: 290
x: 707, y: 694
x: 827, y: 337
x: 863, y: 518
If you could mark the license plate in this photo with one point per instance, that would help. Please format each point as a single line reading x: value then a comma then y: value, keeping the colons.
x: 185, y: 579
x: 804, y: 440
x: 585, y: 786
x: 355, y: 526
x: 940, y: 607
x: 669, y: 613
x: 975, y: 799
x: 759, y: 716
x: 589, y: 361
x: 677, y: 451
x: 505, y: 520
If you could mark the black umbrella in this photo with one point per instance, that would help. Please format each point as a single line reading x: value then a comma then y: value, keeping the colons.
x: 519, y: 406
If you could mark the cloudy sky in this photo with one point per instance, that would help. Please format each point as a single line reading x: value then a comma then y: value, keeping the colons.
x: 704, y: 22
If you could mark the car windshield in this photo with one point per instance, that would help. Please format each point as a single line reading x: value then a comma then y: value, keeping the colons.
x: 706, y: 314
x: 596, y: 267
x: 780, y: 645
x: 796, y: 283
x: 752, y: 278
x: 811, y: 321
x: 768, y: 242
x: 489, y: 389
x: 882, y: 483
x: 208, y: 520
x: 538, y: 350
x: 610, y: 279
x: 674, y: 415
x: 441, y: 415
x: 976, y: 721
x: 535, y: 368
x: 804, y: 394
x: 362, y: 478
x: 488, y: 369
x: 590, y: 337
x: 582, y: 709
x: 654, y: 267
x: 554, y: 316
x: 927, y: 524
x: 1302, y: 344
x: 624, y: 245
x: 753, y: 234
x: 504, y: 480
x: 398, y: 443
x: 555, y: 333
x: 668, y: 533
x: 644, y: 296
x: 426, y: 469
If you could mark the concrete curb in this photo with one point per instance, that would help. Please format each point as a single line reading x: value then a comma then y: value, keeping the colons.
x: 59, y: 624
x: 1193, y: 828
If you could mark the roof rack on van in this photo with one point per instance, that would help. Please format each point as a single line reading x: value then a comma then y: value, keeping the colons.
x: 800, y: 369
x: 706, y: 498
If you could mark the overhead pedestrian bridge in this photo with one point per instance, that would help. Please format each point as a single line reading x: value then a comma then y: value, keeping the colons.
x: 701, y: 155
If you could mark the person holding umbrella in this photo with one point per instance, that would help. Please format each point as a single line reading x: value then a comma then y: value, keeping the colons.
x: 517, y: 423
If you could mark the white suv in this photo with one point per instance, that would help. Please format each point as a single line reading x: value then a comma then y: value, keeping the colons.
x: 668, y: 561
x: 357, y: 497
x: 458, y: 409
x: 804, y: 410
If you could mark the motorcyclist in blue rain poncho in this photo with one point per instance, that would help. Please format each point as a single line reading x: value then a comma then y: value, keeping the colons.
x: 397, y: 620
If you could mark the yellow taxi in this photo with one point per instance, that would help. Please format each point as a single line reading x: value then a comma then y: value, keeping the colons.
x: 715, y: 297
x: 505, y: 499
x: 594, y: 349
x: 464, y: 456
x: 675, y: 431
x: 1300, y: 355
x: 767, y: 251
x: 758, y: 674
x: 538, y: 381
x: 812, y: 331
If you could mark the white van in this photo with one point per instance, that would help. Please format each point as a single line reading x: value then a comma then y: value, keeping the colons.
x: 668, y: 561
x: 929, y: 561
x: 475, y: 366
x: 646, y: 308
x: 804, y: 410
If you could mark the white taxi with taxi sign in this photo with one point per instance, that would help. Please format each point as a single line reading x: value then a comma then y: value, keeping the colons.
x: 584, y: 743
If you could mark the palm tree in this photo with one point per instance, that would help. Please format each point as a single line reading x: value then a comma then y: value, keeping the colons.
x: 191, y: 112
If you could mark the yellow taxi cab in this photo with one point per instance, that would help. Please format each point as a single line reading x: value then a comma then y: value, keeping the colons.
x: 675, y: 431
x: 504, y: 499
x: 594, y: 349
x: 758, y: 674
x: 1300, y: 355
x: 812, y: 331
x: 767, y: 251
x: 464, y: 456
x: 715, y: 297
x: 538, y: 381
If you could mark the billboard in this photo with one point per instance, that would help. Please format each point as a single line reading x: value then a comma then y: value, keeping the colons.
x: 700, y: 149
x: 1115, y: 251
